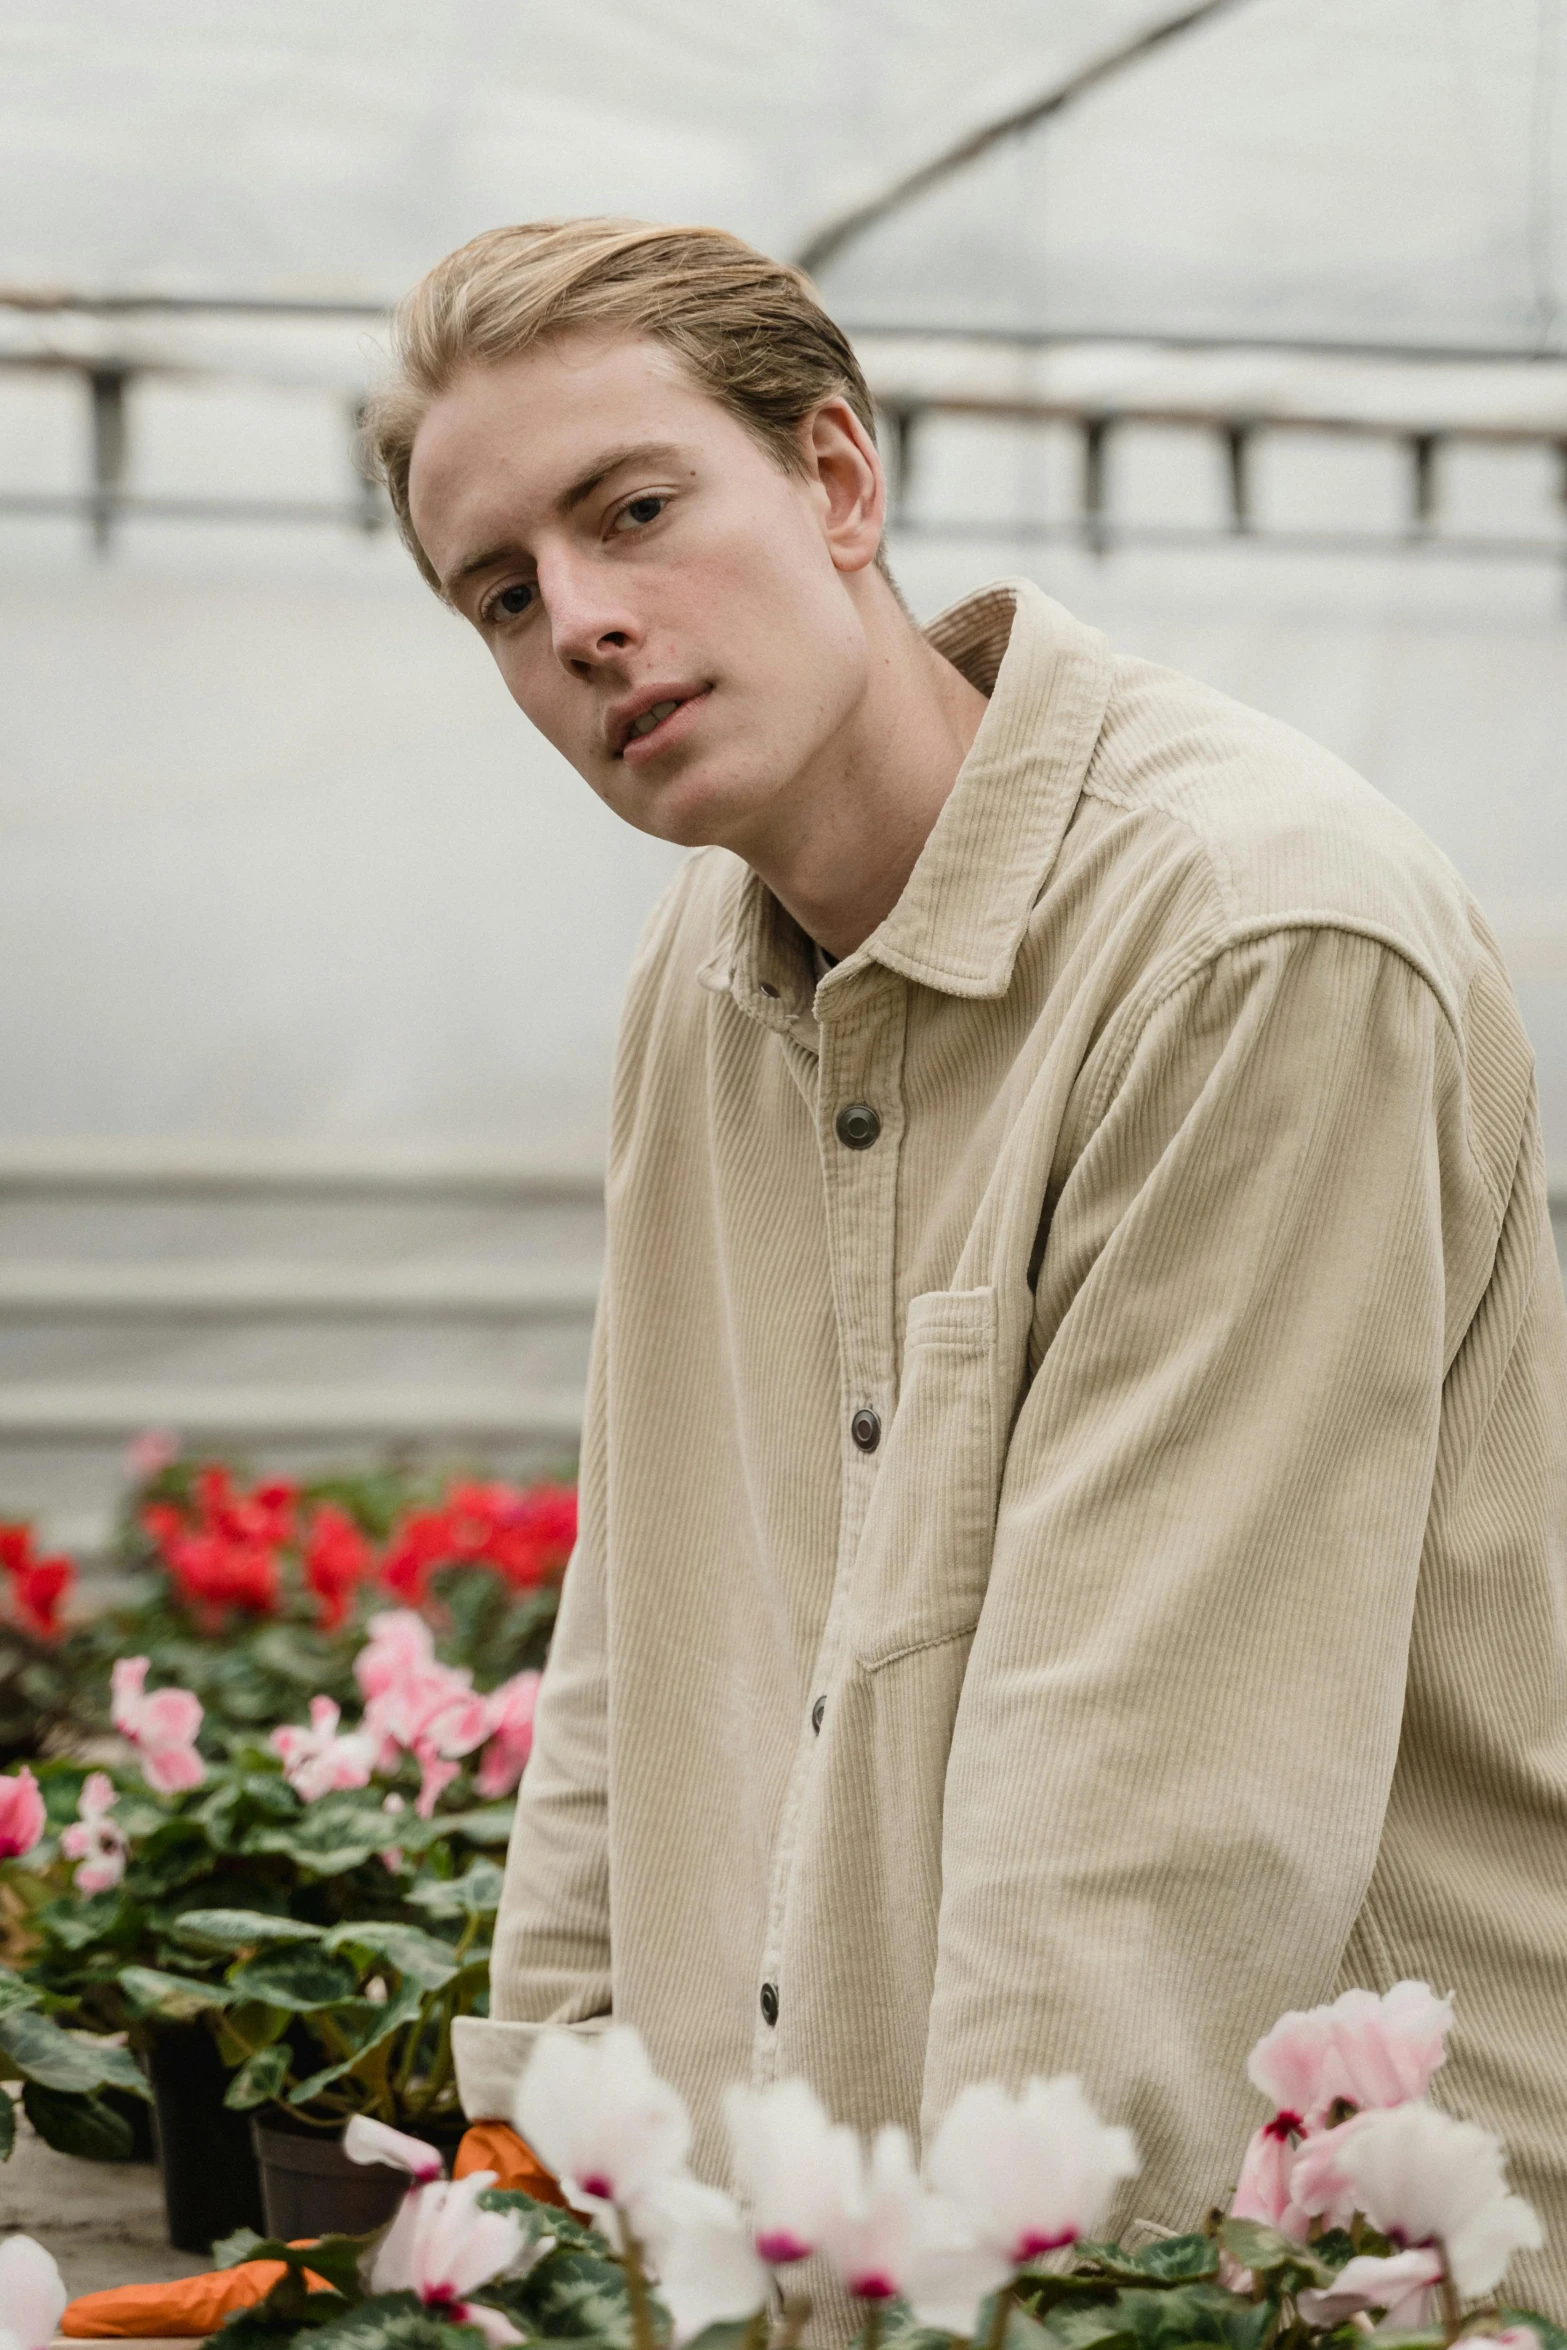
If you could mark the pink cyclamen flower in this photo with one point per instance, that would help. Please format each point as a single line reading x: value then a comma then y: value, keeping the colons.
x: 1400, y: 2287
x: 162, y: 1727
x: 94, y: 1839
x: 442, y: 2247
x: 509, y: 1721
x: 317, y: 1761
x: 400, y: 1645
x: 32, y: 2294
x: 416, y: 1705
x: 150, y: 1453
x: 1359, y: 2051
x: 21, y: 1822
x: 1031, y: 2174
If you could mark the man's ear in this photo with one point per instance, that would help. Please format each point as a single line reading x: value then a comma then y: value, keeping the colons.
x: 843, y: 462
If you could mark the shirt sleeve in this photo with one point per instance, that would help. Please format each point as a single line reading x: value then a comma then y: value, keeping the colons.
x: 1181, y: 1712
x: 551, y: 1963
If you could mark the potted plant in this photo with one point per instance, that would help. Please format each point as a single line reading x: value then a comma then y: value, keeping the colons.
x: 325, y: 2023
x: 319, y: 1827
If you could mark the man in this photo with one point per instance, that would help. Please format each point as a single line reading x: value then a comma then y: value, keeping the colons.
x: 1069, y: 1562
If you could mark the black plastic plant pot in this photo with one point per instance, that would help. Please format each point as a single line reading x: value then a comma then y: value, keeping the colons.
x: 310, y: 2188
x: 210, y: 2182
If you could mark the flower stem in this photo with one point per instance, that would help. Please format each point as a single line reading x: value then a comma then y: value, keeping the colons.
x: 871, y: 2339
x: 643, y: 2336
x: 1452, y: 2314
x: 998, y: 2321
x: 796, y: 2317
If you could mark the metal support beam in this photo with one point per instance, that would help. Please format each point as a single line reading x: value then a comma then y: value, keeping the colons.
x: 106, y: 392
x: 1237, y: 464
x: 370, y: 504
x: 900, y: 423
x: 1096, y: 433
x: 1422, y: 482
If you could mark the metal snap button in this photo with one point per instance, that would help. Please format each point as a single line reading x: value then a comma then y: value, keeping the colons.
x: 865, y: 1428
x: 857, y: 1126
x: 769, y: 2003
x: 818, y: 1715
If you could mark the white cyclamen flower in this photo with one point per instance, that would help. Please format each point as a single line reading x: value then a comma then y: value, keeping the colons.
x: 1031, y: 2174
x: 892, y: 2238
x: 443, y: 2247
x: 1423, y: 2178
x: 701, y: 2250
x: 797, y: 2170
x: 366, y: 2140
x: 598, y: 2116
x: 32, y: 2294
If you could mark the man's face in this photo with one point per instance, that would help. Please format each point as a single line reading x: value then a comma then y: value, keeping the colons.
x: 669, y: 607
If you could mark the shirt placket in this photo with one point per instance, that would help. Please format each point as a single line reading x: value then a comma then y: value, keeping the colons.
x: 861, y: 1019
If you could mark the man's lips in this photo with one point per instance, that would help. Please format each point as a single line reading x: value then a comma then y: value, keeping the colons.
x: 672, y: 711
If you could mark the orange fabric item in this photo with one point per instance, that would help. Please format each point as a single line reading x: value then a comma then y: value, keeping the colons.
x: 188, y: 2306
x: 496, y: 2146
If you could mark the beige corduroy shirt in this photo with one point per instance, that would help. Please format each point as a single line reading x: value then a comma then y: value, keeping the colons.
x: 1070, y: 1559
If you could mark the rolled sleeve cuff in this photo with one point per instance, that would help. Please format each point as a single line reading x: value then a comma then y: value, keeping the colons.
x: 491, y: 2058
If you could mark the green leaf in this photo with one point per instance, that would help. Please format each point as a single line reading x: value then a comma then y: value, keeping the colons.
x: 295, y: 1978
x: 15, y: 1993
x: 336, y: 2258
x: 314, y: 1860
x: 379, y: 2024
x: 240, y: 1929
x: 7, y: 2125
x: 79, y: 2125
x: 177, y: 1998
x: 260, y: 2078
x: 414, y: 1954
x: 392, y: 2321
x: 243, y: 2244
x: 45, y: 2054
x: 1091, y: 2325
x: 731, y: 2333
x: 546, y: 2219
x: 490, y: 1824
x: 478, y: 1894
x: 1552, y: 2336
x: 570, y: 2295
x: 1268, y: 2254
x: 1194, y: 2313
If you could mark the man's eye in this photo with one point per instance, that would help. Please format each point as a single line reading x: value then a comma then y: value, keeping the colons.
x: 513, y: 600
x: 639, y: 512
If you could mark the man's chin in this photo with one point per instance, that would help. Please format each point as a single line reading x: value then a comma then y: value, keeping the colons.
x: 690, y: 809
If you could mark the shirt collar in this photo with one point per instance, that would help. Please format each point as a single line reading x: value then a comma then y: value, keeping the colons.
x: 961, y: 918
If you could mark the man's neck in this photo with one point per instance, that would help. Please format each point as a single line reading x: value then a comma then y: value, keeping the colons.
x: 861, y: 818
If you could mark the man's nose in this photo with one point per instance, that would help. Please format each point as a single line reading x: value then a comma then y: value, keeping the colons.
x: 590, y: 622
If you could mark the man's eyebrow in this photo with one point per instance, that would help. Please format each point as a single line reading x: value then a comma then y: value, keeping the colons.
x: 507, y: 551
x: 635, y: 453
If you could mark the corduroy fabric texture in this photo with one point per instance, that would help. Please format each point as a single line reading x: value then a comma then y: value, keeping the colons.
x: 1194, y: 1641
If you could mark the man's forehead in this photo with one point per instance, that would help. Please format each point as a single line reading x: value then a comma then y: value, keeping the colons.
x: 534, y: 434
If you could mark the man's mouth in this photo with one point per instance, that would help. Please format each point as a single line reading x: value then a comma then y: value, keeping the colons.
x: 650, y: 725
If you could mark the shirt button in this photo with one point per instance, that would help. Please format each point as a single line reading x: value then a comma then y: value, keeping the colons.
x: 857, y: 1126
x: 769, y: 2003
x: 865, y: 1428
x: 818, y: 1715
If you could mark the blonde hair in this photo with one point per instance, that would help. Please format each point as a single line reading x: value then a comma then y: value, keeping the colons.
x: 750, y: 331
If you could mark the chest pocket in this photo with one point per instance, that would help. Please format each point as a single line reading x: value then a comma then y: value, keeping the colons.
x: 924, y: 1553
